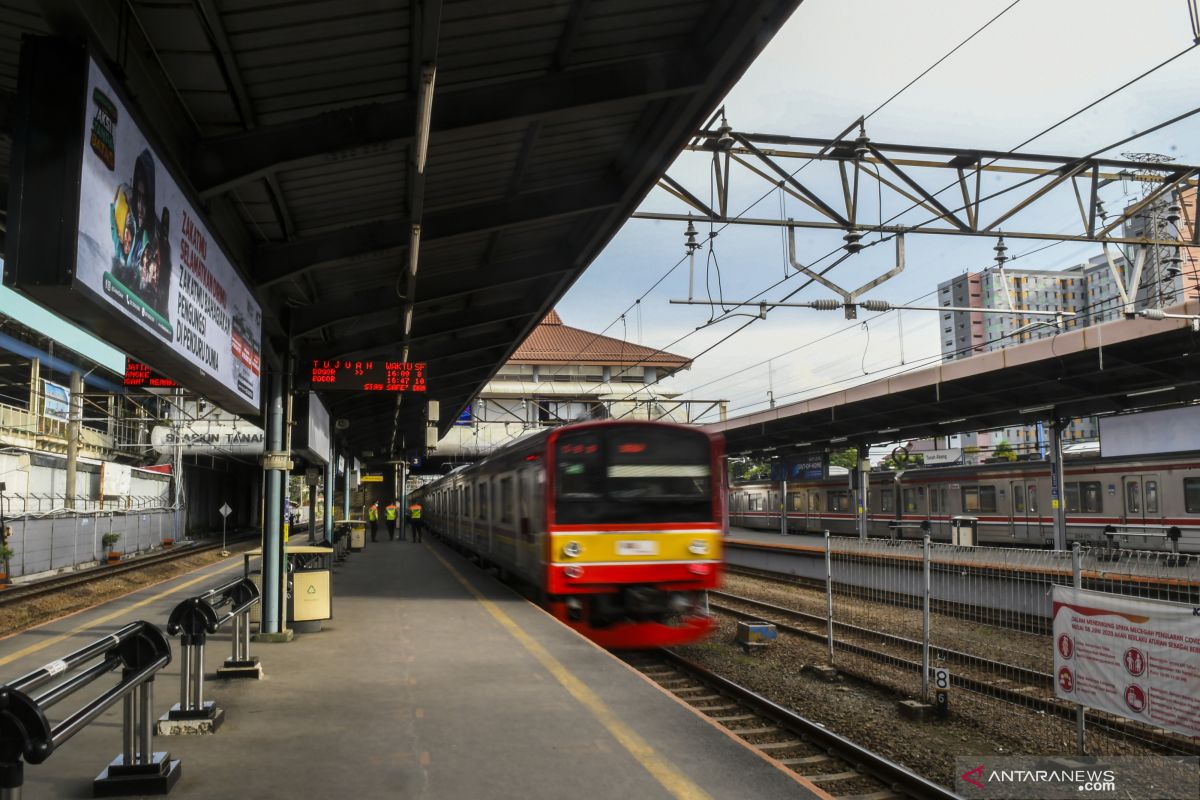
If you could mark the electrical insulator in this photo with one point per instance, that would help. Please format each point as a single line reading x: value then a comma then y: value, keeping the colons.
x: 1152, y: 313
x: 1001, y: 251
x: 853, y: 239
x: 875, y: 305
x: 860, y: 145
x: 826, y: 304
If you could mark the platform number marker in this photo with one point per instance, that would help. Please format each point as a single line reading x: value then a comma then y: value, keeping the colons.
x: 941, y: 691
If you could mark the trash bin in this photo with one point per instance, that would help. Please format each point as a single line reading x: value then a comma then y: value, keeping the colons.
x: 964, y: 531
x: 310, y: 595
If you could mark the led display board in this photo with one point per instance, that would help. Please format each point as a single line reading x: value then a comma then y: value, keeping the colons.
x: 104, y: 231
x: 379, y: 375
x: 140, y: 376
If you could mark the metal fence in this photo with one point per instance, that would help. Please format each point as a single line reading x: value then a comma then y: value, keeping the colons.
x: 983, y: 615
x: 61, y: 539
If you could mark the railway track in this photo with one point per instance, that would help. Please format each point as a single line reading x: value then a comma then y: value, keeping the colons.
x: 1027, y: 688
x: 67, y: 580
x: 835, y: 764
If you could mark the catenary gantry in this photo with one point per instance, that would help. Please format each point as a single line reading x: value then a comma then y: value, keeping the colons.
x: 300, y: 126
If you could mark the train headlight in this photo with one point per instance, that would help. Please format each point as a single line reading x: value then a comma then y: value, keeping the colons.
x: 698, y: 547
x: 573, y: 572
x: 572, y: 549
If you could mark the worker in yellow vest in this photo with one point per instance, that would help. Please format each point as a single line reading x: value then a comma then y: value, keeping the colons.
x: 389, y: 516
x: 373, y: 518
x: 414, y: 515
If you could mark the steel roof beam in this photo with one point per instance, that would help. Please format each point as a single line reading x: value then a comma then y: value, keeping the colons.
x: 435, y: 288
x: 221, y: 162
x: 276, y: 263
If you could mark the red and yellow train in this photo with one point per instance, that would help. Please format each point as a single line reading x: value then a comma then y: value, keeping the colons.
x: 616, y: 525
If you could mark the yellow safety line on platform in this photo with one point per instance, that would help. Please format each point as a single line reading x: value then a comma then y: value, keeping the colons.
x: 33, y: 648
x: 671, y: 778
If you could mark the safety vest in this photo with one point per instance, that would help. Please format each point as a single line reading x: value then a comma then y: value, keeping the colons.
x: 415, y: 511
x: 391, y: 512
x: 373, y: 513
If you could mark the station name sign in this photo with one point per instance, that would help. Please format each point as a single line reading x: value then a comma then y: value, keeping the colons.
x: 140, y: 376
x: 367, y: 376
x: 105, y: 231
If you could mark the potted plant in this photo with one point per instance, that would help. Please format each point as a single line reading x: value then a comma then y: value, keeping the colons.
x: 6, y: 553
x: 109, y: 540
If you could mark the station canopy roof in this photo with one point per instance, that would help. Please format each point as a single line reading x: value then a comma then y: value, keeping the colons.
x: 1120, y: 366
x: 297, y: 123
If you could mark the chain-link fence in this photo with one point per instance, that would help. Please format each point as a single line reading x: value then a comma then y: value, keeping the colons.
x: 60, y: 539
x: 981, y: 617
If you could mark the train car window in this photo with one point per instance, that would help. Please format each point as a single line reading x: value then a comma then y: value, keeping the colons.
x: 631, y: 474
x: 887, y: 500
x: 1191, y: 495
x: 482, y: 505
x: 910, y: 501
x: 1071, y: 490
x: 934, y: 506
x: 1031, y: 499
x: 837, y: 501
x: 797, y: 502
x: 814, y: 502
x: 756, y: 502
x: 1093, y: 498
x: 979, y: 499
x: 504, y: 499
x: 1151, y: 497
x: 1018, y: 499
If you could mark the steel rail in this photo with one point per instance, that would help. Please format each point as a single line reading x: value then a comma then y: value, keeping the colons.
x: 897, y: 777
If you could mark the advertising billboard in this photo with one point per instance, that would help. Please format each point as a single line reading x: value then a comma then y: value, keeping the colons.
x: 107, y: 235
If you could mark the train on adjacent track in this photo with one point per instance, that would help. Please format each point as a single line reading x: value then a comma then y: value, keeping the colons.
x: 616, y: 525
x: 1148, y: 503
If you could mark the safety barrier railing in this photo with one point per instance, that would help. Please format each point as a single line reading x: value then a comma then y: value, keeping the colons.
x: 27, y: 736
x: 193, y: 620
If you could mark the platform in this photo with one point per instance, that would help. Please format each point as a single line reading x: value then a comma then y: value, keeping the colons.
x: 433, y: 680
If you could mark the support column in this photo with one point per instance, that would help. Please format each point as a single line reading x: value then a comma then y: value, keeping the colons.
x: 272, y: 564
x: 74, y: 417
x: 864, y: 482
x: 312, y: 512
x: 330, y: 482
x: 1057, y: 506
x: 401, y: 468
x: 346, y: 487
x: 783, y: 508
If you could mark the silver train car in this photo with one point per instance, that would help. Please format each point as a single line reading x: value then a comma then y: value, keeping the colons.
x: 1151, y: 503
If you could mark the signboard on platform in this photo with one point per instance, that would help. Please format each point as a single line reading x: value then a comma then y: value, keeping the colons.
x: 377, y: 375
x: 208, y: 437
x: 1138, y: 659
x: 804, y: 467
x: 371, y: 477
x: 116, y: 480
x: 310, y: 438
x: 105, y: 232
x: 56, y: 401
x: 935, y: 457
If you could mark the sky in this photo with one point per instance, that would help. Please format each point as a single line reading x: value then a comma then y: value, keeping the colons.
x: 836, y: 60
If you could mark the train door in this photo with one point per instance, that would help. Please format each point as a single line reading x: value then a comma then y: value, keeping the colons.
x: 812, y: 513
x: 1142, y: 504
x: 1024, y: 523
x: 773, y: 509
x: 526, y: 523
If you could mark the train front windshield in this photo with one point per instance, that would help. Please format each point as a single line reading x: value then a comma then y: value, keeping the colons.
x: 616, y: 475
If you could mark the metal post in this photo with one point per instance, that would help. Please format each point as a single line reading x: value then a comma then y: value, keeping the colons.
x: 128, y: 739
x: 198, y: 676
x: 1057, y: 505
x: 829, y: 594
x: 185, y: 678
x: 73, y: 421
x: 346, y: 488
x: 146, y: 701
x: 401, y: 479
x: 864, y: 468
x: 925, y: 623
x: 1077, y: 582
x: 783, y: 508
x: 330, y: 484
x: 312, y: 513
x: 272, y: 564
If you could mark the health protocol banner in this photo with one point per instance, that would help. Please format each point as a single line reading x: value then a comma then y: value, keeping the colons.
x: 1138, y: 659
x: 142, y: 248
